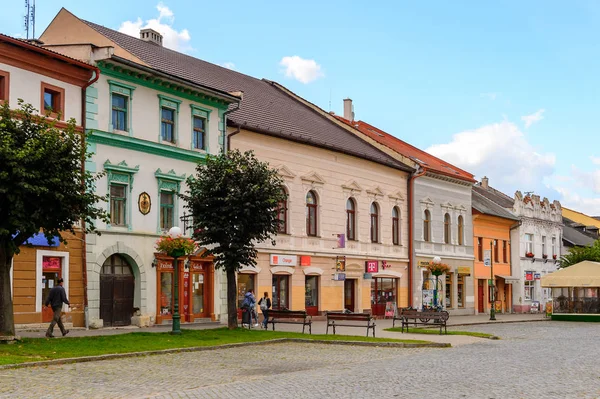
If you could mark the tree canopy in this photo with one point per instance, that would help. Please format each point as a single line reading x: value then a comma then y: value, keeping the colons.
x: 579, y: 254
x: 233, y: 199
x: 43, y: 187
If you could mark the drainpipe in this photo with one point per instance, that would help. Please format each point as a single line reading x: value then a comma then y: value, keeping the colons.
x: 514, y: 226
x: 411, y: 258
x: 227, y: 144
x: 94, y: 79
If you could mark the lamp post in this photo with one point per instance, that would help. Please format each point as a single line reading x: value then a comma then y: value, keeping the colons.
x: 493, y: 293
x: 173, y: 233
x: 437, y: 260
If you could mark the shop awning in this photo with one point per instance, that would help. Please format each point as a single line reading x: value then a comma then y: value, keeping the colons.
x: 582, y: 274
x: 509, y: 279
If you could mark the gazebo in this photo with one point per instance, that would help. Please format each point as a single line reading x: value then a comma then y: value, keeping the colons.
x: 575, y: 292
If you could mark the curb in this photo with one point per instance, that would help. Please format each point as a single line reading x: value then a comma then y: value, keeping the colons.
x: 497, y: 322
x: 112, y: 356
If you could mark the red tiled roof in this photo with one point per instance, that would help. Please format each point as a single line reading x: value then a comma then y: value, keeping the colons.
x: 427, y: 161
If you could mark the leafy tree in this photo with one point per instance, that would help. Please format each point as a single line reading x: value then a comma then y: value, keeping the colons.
x: 233, y: 199
x: 43, y: 187
x: 579, y: 254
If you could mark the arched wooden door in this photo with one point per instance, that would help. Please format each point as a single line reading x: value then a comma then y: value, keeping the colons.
x: 117, y: 287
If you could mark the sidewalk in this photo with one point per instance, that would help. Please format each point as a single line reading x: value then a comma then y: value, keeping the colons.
x: 318, y: 327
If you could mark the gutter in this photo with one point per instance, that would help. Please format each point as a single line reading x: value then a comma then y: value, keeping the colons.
x: 227, y: 145
x: 94, y: 79
x: 514, y: 226
x: 411, y: 258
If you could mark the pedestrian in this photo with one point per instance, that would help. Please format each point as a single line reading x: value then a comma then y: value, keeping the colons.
x: 265, y: 305
x: 56, y: 298
x: 249, y: 304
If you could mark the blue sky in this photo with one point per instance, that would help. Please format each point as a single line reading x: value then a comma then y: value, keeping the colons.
x: 504, y: 89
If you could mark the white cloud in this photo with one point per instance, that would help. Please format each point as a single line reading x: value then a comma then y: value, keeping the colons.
x: 572, y: 200
x: 595, y: 160
x: 533, y: 118
x: 228, y: 65
x: 489, y: 96
x: 173, y: 39
x: 501, y: 152
x: 301, y: 69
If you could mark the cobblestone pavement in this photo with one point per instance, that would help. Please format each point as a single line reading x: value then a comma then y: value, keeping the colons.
x: 533, y: 360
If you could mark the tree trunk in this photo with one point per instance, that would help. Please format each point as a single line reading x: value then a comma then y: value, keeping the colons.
x: 231, y: 299
x: 7, y: 320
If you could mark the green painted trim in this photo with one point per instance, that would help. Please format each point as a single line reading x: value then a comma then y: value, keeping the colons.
x: 171, y: 103
x: 124, y: 90
x: 577, y: 317
x: 201, y: 113
x: 148, y: 147
x: 122, y: 174
x: 152, y: 82
x: 222, y: 130
x: 169, y: 182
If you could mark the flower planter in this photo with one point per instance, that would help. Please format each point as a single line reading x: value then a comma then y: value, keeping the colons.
x: 177, y: 252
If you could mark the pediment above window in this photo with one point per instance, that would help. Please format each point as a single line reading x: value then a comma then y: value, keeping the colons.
x: 313, y: 178
x: 285, y: 172
x: 376, y: 191
x: 396, y: 196
x: 352, y: 186
x: 427, y: 201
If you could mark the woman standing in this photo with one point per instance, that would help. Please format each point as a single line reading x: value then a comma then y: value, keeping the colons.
x: 265, y: 305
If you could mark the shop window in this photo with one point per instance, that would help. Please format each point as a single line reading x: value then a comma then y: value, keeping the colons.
x: 351, y: 219
x: 311, y: 295
x: 281, y: 289
x: 53, y: 101
x: 460, y: 291
x: 166, y: 293
x: 529, y: 292
x: 396, y: 226
x: 461, y: 230
x: 282, y: 208
x: 4, y: 86
x: 427, y: 225
x: 448, y: 291
x: 447, y: 227
x: 311, y: 214
x: 383, y: 294
x: 245, y: 282
x: 374, y: 222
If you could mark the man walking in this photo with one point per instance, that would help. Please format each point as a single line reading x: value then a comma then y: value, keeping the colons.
x: 56, y: 298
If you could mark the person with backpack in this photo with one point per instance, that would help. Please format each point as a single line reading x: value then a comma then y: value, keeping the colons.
x: 248, y: 305
x: 265, y: 305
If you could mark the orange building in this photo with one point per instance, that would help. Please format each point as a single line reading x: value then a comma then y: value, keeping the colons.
x: 491, y: 230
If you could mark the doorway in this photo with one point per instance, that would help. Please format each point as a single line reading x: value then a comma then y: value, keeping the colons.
x: 480, y: 291
x: 51, y: 272
x: 281, y: 290
x: 349, y: 295
x: 117, y: 287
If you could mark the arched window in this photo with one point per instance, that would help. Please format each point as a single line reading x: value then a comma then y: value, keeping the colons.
x: 427, y: 225
x: 447, y: 231
x: 282, y: 208
x: 396, y: 226
x: 311, y: 214
x: 374, y: 222
x: 461, y: 230
x: 350, y: 219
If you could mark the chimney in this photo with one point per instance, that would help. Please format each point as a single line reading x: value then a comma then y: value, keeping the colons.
x: 152, y: 36
x: 484, y: 182
x: 348, y: 110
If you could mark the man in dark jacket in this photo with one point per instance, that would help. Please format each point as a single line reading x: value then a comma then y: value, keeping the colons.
x: 56, y: 298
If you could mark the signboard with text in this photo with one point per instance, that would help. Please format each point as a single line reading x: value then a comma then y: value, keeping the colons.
x: 371, y: 266
x: 284, y: 260
x: 487, y: 257
x: 529, y: 276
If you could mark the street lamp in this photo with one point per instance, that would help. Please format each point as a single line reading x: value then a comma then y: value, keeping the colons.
x: 436, y: 260
x: 493, y: 293
x: 175, y: 232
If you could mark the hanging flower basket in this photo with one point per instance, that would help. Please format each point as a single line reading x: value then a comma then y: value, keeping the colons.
x: 545, y: 256
x: 554, y: 257
x: 176, y: 247
x: 437, y: 269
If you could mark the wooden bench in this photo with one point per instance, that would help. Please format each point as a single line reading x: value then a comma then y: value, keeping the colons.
x: 290, y: 317
x: 357, y: 319
x: 417, y: 317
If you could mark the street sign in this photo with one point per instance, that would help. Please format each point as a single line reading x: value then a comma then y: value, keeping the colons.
x: 487, y: 257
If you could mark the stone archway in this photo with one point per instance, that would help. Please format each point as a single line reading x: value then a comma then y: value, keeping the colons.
x: 94, y: 272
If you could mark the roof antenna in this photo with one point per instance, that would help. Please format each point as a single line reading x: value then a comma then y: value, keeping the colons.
x: 30, y: 18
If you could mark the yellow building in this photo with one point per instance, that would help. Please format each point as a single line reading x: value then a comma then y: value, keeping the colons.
x: 585, y: 222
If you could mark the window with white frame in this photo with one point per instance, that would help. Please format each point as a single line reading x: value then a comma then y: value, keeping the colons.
x: 544, y: 252
x: 529, y: 292
x: 553, y: 246
x: 528, y: 243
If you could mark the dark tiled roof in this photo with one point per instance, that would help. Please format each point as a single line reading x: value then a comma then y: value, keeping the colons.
x: 264, y: 108
x: 494, y: 195
x: 574, y: 237
x: 489, y: 207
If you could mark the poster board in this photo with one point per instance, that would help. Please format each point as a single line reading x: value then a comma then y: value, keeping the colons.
x: 391, y: 310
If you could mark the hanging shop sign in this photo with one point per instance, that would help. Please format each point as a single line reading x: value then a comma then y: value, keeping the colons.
x: 144, y: 203
x: 340, y: 264
x: 537, y: 276
x: 305, y: 260
x: 487, y: 257
x: 372, y: 266
x: 284, y: 260
x: 423, y: 263
x: 464, y: 270
x: 339, y: 276
x: 529, y: 276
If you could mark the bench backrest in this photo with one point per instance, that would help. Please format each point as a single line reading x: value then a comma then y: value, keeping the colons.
x: 349, y: 316
x: 287, y: 314
x: 442, y: 316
